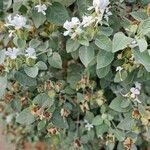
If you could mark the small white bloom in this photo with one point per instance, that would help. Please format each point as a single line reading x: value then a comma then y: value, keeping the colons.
x: 30, y: 53
x: 135, y: 92
x: 87, y: 21
x: 99, y: 5
x: 119, y: 68
x: 11, y: 33
x: 41, y: 8
x: 69, y: 25
x: 72, y: 27
x: 133, y: 44
x: 17, y: 21
x: 138, y: 85
x: 88, y: 126
x: 12, y: 53
x: 9, y: 118
x: 108, y: 13
x: 76, y: 32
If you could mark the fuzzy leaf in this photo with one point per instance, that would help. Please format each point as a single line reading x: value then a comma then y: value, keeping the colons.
x: 120, y: 41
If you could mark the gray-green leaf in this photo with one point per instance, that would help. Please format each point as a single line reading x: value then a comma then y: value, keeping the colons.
x: 104, y: 58
x: 31, y: 71
x: 55, y: 60
x: 25, y: 117
x: 103, y: 42
x: 86, y: 54
x: 72, y: 45
x: 120, y: 41
x: 57, y: 14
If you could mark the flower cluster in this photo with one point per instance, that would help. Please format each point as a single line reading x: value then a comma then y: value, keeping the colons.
x: 135, y: 92
x: 12, y: 53
x: 17, y: 22
x: 75, y: 27
x: 41, y: 8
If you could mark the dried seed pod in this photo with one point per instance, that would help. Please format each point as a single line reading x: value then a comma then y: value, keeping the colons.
x: 136, y: 114
x: 128, y: 143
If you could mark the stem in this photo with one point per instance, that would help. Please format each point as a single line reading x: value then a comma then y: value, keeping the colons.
x: 39, y: 2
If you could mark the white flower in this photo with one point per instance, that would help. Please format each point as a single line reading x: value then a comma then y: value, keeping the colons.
x: 12, y: 53
x: 88, y: 125
x: 108, y: 13
x: 17, y: 21
x: 41, y: 8
x: 138, y: 85
x: 135, y: 92
x: 72, y: 27
x: 119, y: 68
x: 30, y: 53
x: 133, y: 44
x: 87, y: 21
x: 99, y: 5
x: 69, y: 25
x: 9, y: 118
x: 11, y: 33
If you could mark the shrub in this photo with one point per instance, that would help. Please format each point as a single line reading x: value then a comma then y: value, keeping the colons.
x: 76, y: 73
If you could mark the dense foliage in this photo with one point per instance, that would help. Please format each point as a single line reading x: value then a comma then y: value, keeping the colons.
x: 76, y: 73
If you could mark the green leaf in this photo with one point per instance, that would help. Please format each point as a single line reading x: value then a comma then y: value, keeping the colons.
x: 41, y: 125
x: 120, y: 135
x: 2, y: 56
x: 97, y: 120
x: 126, y: 124
x: 21, y: 43
x: 120, y: 41
x: 58, y: 121
x: 139, y: 15
x: 55, y: 60
x: 86, y: 54
x: 125, y: 103
x: 72, y: 45
x: 101, y: 129
x: 16, y: 105
x: 31, y: 71
x: 34, y: 43
x: 103, y: 42
x: 41, y: 65
x: 104, y: 58
x: 65, y: 2
x: 6, y: 4
x: 144, y: 27
x: 120, y: 76
x: 142, y: 44
x: 43, y: 100
x: 83, y: 6
x: 3, y: 85
x: 84, y: 41
x: 25, y: 80
x: 102, y: 72
x: 38, y: 18
x: 116, y: 104
x: 25, y: 117
x: 57, y: 14
x: 143, y: 58
x: 105, y: 30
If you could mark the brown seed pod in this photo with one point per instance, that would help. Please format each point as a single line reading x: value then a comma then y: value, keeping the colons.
x: 128, y: 143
